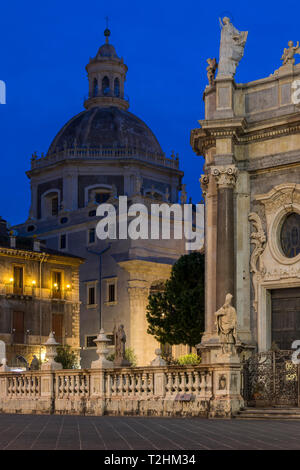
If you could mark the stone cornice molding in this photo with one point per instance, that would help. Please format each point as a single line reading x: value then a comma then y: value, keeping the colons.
x: 225, y: 176
x: 205, y: 137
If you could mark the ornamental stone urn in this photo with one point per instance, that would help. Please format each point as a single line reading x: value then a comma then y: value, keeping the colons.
x: 51, y: 346
x: 102, y: 363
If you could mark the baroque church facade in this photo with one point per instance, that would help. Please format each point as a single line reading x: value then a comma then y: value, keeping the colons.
x: 250, y: 138
x: 104, y: 152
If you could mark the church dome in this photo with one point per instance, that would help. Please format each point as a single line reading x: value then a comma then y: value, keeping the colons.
x: 108, y: 51
x: 106, y: 127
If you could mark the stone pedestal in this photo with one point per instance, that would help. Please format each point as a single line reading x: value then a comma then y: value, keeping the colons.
x: 227, y: 399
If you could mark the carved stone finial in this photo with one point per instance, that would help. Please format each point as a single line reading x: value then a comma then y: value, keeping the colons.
x: 51, y: 346
x: 158, y: 361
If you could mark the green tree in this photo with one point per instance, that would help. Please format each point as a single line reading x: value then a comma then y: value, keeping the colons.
x: 66, y: 357
x: 176, y: 315
x: 129, y: 355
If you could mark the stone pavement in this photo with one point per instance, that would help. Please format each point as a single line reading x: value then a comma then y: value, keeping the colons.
x: 43, y: 432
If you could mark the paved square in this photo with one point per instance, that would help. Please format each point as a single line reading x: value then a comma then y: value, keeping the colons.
x: 43, y: 432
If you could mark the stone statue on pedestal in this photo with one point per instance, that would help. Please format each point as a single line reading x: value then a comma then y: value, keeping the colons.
x: 226, y: 320
x: 231, y: 48
x: 120, y: 340
x: 288, y: 53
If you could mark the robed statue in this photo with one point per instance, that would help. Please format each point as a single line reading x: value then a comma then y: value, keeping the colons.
x: 231, y: 48
x: 120, y: 341
x: 226, y: 321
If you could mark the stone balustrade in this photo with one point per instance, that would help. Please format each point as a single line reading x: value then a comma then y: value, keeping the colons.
x: 204, y: 390
x: 103, y: 154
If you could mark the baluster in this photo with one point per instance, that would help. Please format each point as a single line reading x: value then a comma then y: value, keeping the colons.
x: 197, y: 382
x: 176, y: 383
x: 126, y: 385
x: 77, y: 385
x: 139, y: 384
x: 190, y: 382
x: 208, y: 383
x: 113, y: 384
x: 72, y: 385
x: 108, y: 385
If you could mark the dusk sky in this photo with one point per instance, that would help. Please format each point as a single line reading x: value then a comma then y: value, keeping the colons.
x: 45, y: 47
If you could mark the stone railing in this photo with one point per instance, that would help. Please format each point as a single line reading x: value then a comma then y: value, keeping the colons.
x: 103, y: 154
x: 203, y: 390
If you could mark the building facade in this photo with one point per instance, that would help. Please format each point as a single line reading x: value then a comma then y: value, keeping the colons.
x: 102, y: 153
x: 39, y: 293
x: 250, y: 139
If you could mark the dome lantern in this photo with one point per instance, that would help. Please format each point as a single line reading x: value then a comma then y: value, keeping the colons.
x: 106, y: 74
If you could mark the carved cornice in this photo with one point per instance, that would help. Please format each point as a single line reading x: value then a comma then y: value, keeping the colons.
x: 225, y: 176
x: 205, y: 137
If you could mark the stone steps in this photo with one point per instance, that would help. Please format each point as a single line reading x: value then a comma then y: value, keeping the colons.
x: 269, y: 413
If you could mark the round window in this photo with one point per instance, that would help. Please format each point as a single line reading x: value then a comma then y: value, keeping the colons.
x: 290, y: 235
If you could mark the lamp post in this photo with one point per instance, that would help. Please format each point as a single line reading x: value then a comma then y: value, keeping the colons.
x: 100, y: 253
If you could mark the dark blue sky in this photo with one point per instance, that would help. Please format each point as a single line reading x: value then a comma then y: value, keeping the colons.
x: 44, y: 47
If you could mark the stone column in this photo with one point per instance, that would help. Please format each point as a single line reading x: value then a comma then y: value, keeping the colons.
x: 225, y: 178
x: 142, y: 343
x: 208, y: 187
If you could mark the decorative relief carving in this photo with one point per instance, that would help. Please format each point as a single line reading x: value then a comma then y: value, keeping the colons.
x: 280, y: 201
x: 225, y: 175
x: 204, y: 180
x: 258, y: 239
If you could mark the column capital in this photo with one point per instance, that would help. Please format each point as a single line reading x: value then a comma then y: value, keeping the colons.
x: 225, y: 176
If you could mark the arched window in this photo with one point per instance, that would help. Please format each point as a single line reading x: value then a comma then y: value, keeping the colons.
x: 117, y: 87
x: 95, y: 87
x: 105, y: 86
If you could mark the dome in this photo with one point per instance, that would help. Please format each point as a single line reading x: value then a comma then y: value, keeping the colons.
x: 107, y: 50
x: 107, y: 127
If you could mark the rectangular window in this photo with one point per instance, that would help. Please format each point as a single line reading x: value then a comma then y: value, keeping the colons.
x: 91, y: 296
x: 63, y: 241
x: 54, y: 205
x: 89, y: 341
x: 18, y: 280
x: 111, y: 292
x: 92, y: 235
x: 56, y: 284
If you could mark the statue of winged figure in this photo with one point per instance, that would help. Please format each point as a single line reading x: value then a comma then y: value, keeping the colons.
x: 289, y: 52
x: 231, y: 48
